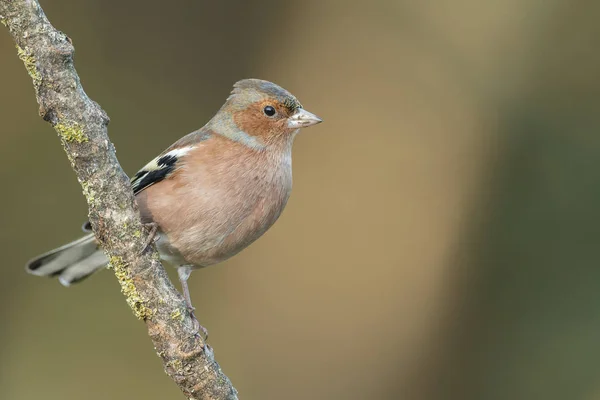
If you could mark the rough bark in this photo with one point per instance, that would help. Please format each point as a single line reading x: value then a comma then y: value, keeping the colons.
x: 82, y: 127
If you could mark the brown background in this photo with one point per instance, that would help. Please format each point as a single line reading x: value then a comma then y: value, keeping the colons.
x: 442, y: 240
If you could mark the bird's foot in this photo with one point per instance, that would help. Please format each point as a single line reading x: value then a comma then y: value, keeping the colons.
x: 198, y: 329
x: 152, y: 236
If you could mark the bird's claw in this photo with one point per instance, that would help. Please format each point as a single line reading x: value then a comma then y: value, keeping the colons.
x: 197, y: 327
x: 152, y: 236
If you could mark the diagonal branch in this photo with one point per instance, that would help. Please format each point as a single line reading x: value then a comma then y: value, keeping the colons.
x: 82, y: 127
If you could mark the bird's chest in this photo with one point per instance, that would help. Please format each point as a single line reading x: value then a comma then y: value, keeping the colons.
x: 230, y: 214
x: 265, y: 209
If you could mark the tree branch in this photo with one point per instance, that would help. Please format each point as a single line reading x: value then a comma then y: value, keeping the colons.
x: 82, y: 127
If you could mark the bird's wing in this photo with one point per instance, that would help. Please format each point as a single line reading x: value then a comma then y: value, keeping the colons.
x: 167, y: 162
x: 158, y: 169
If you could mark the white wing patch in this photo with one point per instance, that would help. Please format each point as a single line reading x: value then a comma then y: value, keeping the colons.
x: 158, y: 169
x: 155, y: 165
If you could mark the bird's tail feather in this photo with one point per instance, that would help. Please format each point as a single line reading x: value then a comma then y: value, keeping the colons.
x: 71, y: 263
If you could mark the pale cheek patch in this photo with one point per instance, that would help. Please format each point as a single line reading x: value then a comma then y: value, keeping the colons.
x: 224, y: 125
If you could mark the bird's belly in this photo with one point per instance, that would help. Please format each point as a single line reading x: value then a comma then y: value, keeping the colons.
x: 202, y: 246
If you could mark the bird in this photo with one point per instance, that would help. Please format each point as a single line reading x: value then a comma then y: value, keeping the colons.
x: 211, y: 193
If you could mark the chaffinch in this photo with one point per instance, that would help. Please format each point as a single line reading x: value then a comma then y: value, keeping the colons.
x: 212, y: 193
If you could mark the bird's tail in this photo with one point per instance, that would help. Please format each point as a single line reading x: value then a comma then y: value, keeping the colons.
x: 71, y: 263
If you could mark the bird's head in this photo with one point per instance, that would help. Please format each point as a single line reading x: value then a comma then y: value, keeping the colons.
x: 264, y: 111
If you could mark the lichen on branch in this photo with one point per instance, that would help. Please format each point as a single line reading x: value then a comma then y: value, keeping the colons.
x: 29, y: 62
x: 132, y: 296
x: 71, y: 132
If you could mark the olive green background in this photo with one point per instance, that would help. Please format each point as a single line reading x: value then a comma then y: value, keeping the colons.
x: 443, y: 237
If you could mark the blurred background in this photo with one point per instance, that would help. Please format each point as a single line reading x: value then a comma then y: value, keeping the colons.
x: 442, y: 240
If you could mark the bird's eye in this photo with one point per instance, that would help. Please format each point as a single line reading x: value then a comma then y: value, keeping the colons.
x: 269, y: 111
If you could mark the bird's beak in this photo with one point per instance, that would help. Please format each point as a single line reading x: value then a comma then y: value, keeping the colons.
x: 302, y: 119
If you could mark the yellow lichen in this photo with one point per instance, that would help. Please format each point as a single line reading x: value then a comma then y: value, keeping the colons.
x: 30, y: 66
x: 176, y: 364
x: 71, y: 132
x: 132, y: 296
x: 177, y: 315
x: 89, y: 194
